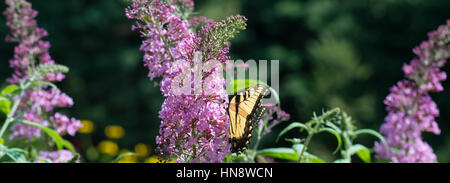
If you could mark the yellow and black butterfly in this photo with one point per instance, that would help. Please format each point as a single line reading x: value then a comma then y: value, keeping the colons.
x: 244, y: 111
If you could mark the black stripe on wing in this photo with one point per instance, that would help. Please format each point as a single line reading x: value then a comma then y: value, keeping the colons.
x: 239, y: 145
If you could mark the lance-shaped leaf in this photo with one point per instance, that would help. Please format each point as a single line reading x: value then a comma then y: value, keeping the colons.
x: 372, y: 132
x: 290, y: 127
x: 279, y: 153
x: 5, y: 105
x: 360, y: 150
x: 59, y: 141
x: 241, y: 84
x: 336, y: 134
x: 17, y: 155
x: 10, y: 89
x: 69, y: 146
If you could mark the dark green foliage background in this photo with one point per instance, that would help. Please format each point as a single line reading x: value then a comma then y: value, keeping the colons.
x: 333, y: 53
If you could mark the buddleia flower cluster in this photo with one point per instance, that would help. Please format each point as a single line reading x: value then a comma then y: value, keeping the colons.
x: 55, y: 156
x: 411, y: 110
x: 32, y: 61
x: 179, y: 49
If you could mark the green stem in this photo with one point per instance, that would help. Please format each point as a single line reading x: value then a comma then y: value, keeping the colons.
x: 10, y: 116
x: 319, y: 122
x: 347, y: 144
x: 258, y: 139
x: 308, y: 139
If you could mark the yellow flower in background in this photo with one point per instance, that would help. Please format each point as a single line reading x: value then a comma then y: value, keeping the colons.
x: 123, y: 151
x: 108, y: 147
x: 152, y: 159
x: 88, y: 127
x: 114, y: 131
x: 141, y: 149
x: 128, y: 158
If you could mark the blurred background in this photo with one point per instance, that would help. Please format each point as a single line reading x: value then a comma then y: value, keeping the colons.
x: 333, y: 53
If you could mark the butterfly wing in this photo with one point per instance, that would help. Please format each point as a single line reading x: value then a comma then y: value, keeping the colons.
x: 244, y: 111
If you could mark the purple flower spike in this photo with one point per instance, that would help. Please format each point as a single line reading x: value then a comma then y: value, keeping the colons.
x: 194, y: 123
x: 31, y: 51
x: 411, y: 110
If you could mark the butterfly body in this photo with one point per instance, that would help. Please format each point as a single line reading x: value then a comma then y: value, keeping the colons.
x: 245, y: 110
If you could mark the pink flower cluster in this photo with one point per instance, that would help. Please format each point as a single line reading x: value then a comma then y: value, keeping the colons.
x: 194, y: 125
x: 62, y: 156
x: 411, y: 110
x: 166, y: 34
x: 39, y: 102
x: 27, y: 131
x: 24, y: 30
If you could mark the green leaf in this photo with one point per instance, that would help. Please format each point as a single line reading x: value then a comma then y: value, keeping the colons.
x: 1, y: 141
x: 227, y: 158
x: 294, y: 140
x: 122, y: 156
x: 69, y: 146
x: 5, y: 105
x: 290, y: 127
x: 55, y: 136
x: 10, y: 89
x: 262, y: 159
x: 336, y: 134
x: 307, y: 157
x: 242, y: 84
x: 331, y: 125
x: 17, y: 155
x: 279, y: 153
x: 360, y: 150
x: 364, y: 155
x: 374, y: 133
